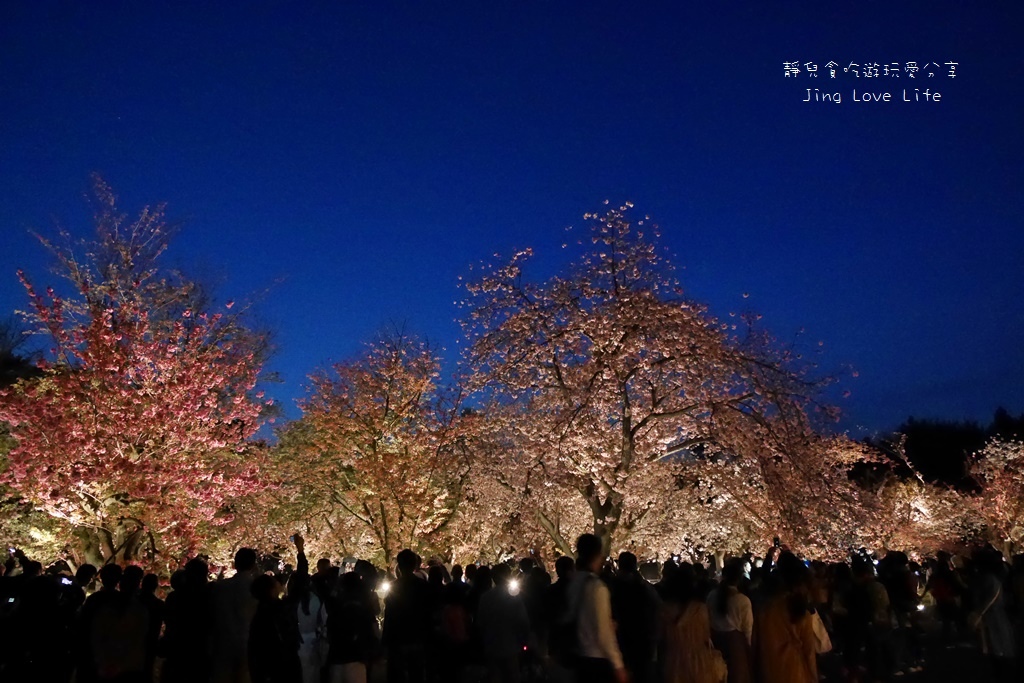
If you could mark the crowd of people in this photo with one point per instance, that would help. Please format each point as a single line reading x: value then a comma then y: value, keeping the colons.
x: 751, y: 620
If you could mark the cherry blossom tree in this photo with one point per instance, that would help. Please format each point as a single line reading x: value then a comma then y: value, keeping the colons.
x: 899, y: 509
x: 607, y: 384
x: 914, y: 517
x: 380, y: 445
x: 999, y: 469
x: 135, y: 434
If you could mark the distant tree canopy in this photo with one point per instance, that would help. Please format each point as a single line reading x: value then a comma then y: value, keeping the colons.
x: 941, y: 450
x: 16, y: 361
x: 599, y: 399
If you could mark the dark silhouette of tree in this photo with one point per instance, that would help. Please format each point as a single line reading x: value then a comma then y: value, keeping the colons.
x: 1006, y: 426
x: 940, y: 450
x: 16, y: 361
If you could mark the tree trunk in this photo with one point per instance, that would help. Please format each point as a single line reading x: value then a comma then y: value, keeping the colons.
x: 607, y: 516
x: 560, y: 541
x: 92, y: 546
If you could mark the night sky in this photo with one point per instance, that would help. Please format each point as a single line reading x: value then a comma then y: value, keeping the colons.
x: 356, y: 157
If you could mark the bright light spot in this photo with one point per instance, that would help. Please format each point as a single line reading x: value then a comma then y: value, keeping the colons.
x: 920, y: 608
x: 384, y: 587
x: 513, y: 587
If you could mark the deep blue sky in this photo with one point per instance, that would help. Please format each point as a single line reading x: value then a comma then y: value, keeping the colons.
x: 368, y: 152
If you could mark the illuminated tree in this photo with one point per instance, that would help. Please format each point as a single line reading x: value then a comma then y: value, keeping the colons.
x: 382, y: 444
x: 999, y: 469
x: 607, y: 384
x: 135, y: 434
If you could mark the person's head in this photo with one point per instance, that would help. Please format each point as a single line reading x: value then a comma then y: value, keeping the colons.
x: 197, y: 573
x: 323, y: 566
x: 85, y: 575
x: 471, y: 570
x: 456, y: 573
x: 501, y: 574
x: 266, y: 587
x: 482, y: 580
x: 179, y: 580
x: 33, y: 569
x: 351, y: 584
x: 408, y: 562
x: 627, y: 563
x: 150, y: 582
x: 365, y: 569
x: 110, y: 576
x: 669, y: 568
x: 564, y: 567
x: 245, y: 560
x: 131, y: 578
x: 988, y: 560
x: 794, y: 580
x: 863, y: 569
x: 436, y: 575
x: 894, y: 562
x: 526, y: 565
x: 681, y: 585
x: 732, y: 572
x: 589, y: 553
x: 793, y: 574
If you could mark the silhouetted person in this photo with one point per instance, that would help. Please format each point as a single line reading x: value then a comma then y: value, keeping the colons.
x: 310, y: 614
x: 351, y: 631
x: 188, y: 614
x: 687, y: 654
x: 635, y: 605
x: 455, y: 627
x: 109, y: 577
x: 562, y: 639
x: 785, y: 642
x: 989, y: 616
x: 155, y: 609
x: 405, y: 611
x: 599, y: 659
x: 233, y: 610
x: 667, y: 570
x: 119, y: 629
x: 504, y: 628
x: 324, y: 579
x: 34, y: 613
x: 273, y: 647
x: 732, y: 623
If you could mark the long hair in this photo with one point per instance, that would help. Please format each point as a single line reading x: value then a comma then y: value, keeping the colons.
x: 731, y: 574
x: 794, y: 579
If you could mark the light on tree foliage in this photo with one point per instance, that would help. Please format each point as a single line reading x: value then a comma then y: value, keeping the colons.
x: 134, y: 436
x: 590, y: 378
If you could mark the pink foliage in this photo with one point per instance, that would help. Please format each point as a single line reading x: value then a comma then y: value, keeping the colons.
x: 136, y: 433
